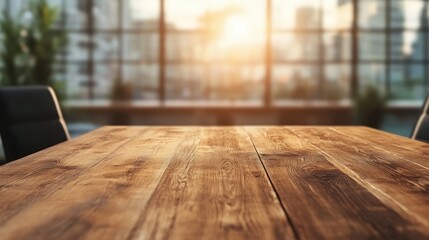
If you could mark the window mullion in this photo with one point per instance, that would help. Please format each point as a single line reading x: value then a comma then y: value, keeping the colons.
x: 387, y: 48
x: 355, y: 50
x: 161, y: 62
x: 268, y: 55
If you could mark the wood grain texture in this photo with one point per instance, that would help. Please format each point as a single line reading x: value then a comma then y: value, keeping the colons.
x: 30, y: 187
x: 156, y: 183
x: 35, y: 177
x: 413, y: 151
x: 322, y: 201
x: 220, y: 183
x: 401, y: 184
x: 214, y: 188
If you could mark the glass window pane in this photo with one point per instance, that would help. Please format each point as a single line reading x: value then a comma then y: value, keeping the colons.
x: 295, y: 47
x: 372, y: 14
x: 407, y: 81
x: 140, y: 47
x: 407, y: 14
x: 295, y: 82
x: 59, y: 71
x: 218, y: 82
x: 186, y: 46
x: 104, y: 77
x: 59, y: 80
x: 337, y: 81
x: 78, y: 12
x: 77, y: 81
x: 372, y: 46
x: 143, y: 80
x: 190, y: 46
x: 295, y: 14
x: 337, y: 14
x: 106, y: 14
x: 372, y: 74
x: 77, y: 89
x: 215, y: 42
x: 215, y: 50
x: 186, y: 82
x: 238, y: 82
x: 244, y: 53
x: 233, y: 30
x: 188, y: 14
x: 337, y: 46
x: 105, y: 46
x: 78, y: 46
x: 214, y: 15
x: 141, y: 14
x: 407, y: 45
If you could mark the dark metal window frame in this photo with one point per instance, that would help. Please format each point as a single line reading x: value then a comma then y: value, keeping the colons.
x: 321, y: 62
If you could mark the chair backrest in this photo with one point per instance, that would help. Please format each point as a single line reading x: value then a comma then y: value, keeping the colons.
x: 421, y: 131
x: 30, y: 120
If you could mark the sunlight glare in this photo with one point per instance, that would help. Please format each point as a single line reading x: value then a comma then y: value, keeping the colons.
x: 240, y: 31
x: 236, y: 30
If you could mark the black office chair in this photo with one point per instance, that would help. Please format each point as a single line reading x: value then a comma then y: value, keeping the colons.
x: 421, y: 131
x: 30, y: 120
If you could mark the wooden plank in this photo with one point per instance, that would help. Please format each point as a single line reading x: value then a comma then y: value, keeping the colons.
x: 214, y: 188
x: 413, y: 151
x: 37, y: 176
x: 322, y: 201
x: 174, y: 182
x: 401, y: 185
x: 49, y: 158
x: 104, y: 201
x: 164, y: 182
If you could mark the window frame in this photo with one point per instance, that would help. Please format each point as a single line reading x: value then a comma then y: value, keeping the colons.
x: 268, y: 100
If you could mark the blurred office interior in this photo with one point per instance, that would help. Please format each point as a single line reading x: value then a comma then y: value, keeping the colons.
x: 233, y: 62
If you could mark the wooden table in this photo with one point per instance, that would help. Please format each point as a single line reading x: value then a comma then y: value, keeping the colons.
x: 220, y: 183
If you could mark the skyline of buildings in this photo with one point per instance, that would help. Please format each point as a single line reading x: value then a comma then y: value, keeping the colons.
x: 198, y: 69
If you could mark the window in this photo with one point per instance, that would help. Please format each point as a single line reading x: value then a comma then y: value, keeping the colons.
x: 263, y: 51
x: 215, y: 50
x: 311, y: 44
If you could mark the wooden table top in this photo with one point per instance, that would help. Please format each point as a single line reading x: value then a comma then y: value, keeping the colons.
x: 220, y: 183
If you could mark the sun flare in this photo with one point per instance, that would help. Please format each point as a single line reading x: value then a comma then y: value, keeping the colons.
x: 236, y: 30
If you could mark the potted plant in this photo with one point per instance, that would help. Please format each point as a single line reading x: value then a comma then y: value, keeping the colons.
x: 121, y: 93
x: 12, y: 56
x: 30, y: 46
x: 370, y: 107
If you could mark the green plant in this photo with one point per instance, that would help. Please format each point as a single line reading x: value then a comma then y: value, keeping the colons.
x: 30, y: 49
x: 43, y: 45
x: 121, y: 91
x: 13, y: 58
x: 369, y: 107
